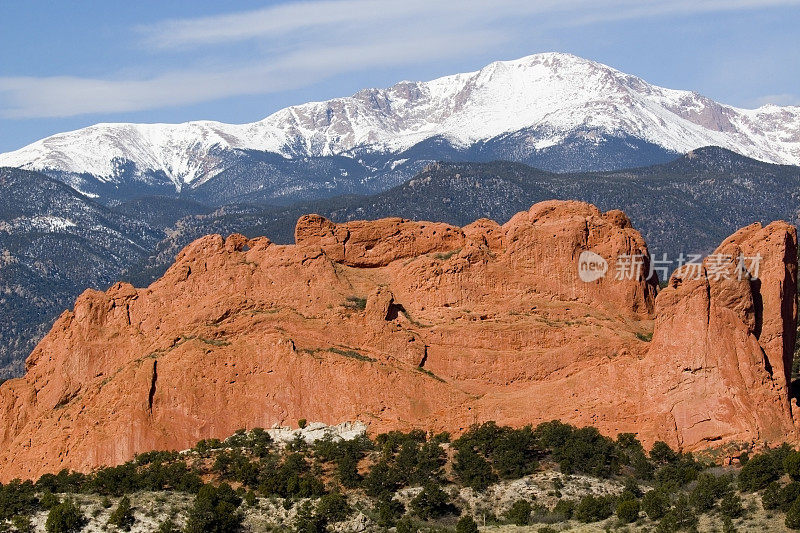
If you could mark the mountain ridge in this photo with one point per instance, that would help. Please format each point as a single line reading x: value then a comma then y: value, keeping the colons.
x: 671, y: 203
x: 518, y: 109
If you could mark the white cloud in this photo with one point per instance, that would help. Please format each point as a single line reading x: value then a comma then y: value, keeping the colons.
x: 339, y: 16
x: 595, y: 12
x: 302, y: 42
x: 64, y: 96
x: 284, y: 19
x: 778, y: 99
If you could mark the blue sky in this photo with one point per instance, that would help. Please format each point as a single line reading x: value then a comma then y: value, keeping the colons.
x: 65, y: 65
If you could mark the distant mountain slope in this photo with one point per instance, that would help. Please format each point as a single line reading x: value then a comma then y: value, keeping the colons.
x: 54, y: 243
x: 688, y: 205
x: 554, y: 111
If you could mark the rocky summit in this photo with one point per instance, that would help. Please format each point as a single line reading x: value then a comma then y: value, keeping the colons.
x: 554, y: 111
x: 402, y: 324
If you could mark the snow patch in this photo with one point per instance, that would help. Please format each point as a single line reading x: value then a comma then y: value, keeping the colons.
x: 49, y: 223
x: 397, y: 163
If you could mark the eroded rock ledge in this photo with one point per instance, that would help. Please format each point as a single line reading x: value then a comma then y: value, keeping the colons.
x: 404, y: 324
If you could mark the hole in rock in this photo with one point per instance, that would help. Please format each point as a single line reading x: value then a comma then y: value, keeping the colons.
x: 394, y: 311
x: 758, y: 305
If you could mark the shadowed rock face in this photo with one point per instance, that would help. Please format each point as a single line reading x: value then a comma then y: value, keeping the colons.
x: 405, y: 324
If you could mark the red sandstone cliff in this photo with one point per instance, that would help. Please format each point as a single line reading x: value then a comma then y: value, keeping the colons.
x: 461, y: 325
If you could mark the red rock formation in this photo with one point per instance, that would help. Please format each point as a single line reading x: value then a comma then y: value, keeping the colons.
x: 460, y: 325
x: 724, y: 346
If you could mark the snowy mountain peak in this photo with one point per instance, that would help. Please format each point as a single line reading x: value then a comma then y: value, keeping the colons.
x: 551, y: 96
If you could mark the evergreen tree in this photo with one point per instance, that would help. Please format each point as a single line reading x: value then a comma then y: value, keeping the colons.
x: 466, y: 524
x: 520, y: 513
x: 66, y: 517
x: 628, y: 511
x: 215, y: 510
x: 472, y: 469
x: 431, y: 503
x: 122, y: 516
x: 731, y: 506
x: 655, y: 504
x: 793, y: 515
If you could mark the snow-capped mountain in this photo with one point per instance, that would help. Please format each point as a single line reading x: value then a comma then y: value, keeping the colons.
x: 552, y: 110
